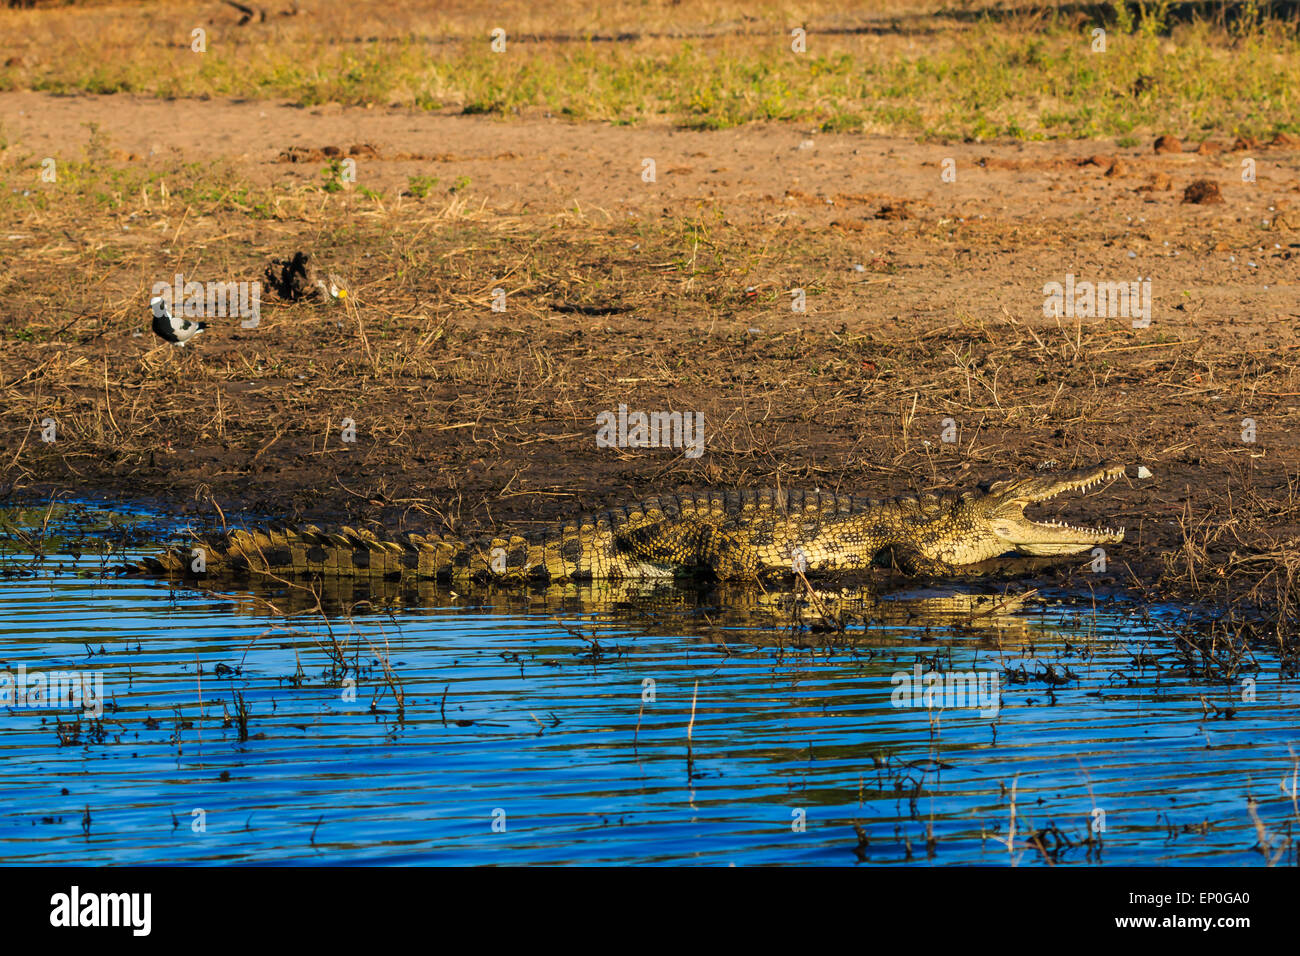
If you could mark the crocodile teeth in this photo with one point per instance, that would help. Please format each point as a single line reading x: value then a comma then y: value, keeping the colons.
x: 1066, y: 526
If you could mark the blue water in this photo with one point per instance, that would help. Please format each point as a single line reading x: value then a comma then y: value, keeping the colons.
x: 544, y: 750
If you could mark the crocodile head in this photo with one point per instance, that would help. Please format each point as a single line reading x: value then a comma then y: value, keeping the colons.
x: 991, y: 522
x: 1003, y: 509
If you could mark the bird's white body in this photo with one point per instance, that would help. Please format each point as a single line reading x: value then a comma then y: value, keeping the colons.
x: 168, y: 327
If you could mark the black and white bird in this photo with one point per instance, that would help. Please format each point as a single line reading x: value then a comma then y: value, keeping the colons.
x: 166, y: 326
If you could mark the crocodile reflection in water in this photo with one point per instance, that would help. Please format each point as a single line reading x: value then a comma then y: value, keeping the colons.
x: 820, y: 614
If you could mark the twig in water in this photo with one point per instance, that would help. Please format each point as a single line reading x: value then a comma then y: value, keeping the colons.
x: 690, y: 760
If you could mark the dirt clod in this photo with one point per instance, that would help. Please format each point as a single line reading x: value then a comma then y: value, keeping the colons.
x: 293, y: 279
x: 306, y: 154
x: 1203, y: 192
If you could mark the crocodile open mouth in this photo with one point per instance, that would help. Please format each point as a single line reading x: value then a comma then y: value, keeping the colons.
x: 1052, y: 536
x: 1095, y: 477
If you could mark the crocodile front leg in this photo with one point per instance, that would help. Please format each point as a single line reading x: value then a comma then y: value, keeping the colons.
x: 911, y: 560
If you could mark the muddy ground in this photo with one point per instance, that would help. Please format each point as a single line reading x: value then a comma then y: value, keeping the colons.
x: 924, y: 302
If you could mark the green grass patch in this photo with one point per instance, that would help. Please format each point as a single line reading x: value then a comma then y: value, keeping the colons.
x: 987, y: 79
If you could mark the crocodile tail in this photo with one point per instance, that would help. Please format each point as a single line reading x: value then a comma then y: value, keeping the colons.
x: 307, y: 550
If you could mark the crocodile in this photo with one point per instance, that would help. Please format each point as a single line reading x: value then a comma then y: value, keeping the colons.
x: 727, y: 535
